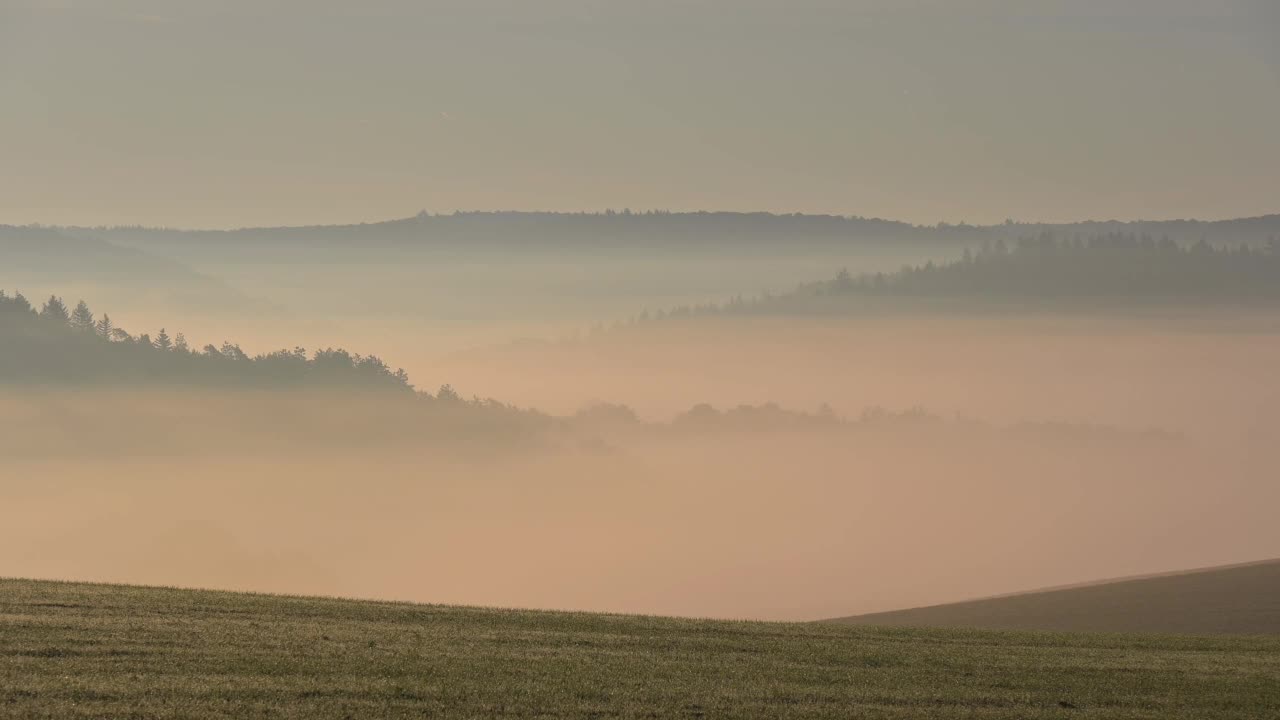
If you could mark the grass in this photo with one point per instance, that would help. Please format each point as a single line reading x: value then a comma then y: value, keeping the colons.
x: 81, y: 650
x: 1230, y: 600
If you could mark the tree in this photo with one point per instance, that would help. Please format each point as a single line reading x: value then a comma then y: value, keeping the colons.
x: 162, y: 341
x: 56, y: 310
x: 180, y: 344
x: 16, y: 304
x: 82, y: 318
x: 105, y: 329
x: 233, y: 352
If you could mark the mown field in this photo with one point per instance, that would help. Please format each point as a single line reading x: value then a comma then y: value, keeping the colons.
x: 80, y: 650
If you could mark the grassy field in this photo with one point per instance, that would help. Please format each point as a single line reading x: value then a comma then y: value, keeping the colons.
x: 1237, y: 599
x: 79, y: 650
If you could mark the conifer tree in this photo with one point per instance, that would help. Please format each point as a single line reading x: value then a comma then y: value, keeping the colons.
x: 56, y: 310
x: 104, y: 328
x: 82, y: 318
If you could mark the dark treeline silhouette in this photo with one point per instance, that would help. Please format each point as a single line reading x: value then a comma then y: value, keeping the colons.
x: 609, y: 419
x: 653, y: 229
x: 1110, y: 268
x: 57, y: 344
x: 664, y: 229
x: 1112, y: 265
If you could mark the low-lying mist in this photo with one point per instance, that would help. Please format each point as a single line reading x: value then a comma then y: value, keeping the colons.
x: 724, y: 460
x: 757, y: 512
x: 1204, y: 371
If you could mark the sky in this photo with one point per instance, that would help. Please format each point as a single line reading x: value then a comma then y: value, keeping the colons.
x: 272, y: 112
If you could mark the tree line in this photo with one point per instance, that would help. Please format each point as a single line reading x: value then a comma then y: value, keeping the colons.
x: 664, y: 230
x: 57, y: 344
x: 1109, y: 266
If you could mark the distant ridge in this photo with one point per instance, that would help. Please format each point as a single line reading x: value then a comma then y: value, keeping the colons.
x: 671, y: 230
x: 1268, y: 222
x: 1237, y: 599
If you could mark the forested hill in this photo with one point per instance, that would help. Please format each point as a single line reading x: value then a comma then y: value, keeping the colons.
x: 661, y: 229
x: 1110, y: 266
x: 535, y: 230
x: 57, y: 345
x: 1114, y: 269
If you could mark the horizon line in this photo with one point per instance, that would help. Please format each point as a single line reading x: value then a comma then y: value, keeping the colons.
x: 630, y: 212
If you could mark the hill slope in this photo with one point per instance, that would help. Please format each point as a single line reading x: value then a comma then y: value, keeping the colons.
x: 83, y: 650
x: 677, y: 231
x: 46, y: 259
x: 1235, y: 599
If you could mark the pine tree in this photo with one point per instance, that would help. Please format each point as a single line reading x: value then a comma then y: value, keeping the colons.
x: 162, y: 341
x: 180, y: 344
x: 82, y: 318
x: 104, y: 328
x: 56, y: 310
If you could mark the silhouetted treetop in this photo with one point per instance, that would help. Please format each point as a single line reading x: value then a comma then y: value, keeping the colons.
x: 58, y: 346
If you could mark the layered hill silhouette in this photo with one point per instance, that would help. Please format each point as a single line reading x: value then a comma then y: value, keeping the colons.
x: 50, y: 257
x: 1226, y: 600
x: 662, y: 229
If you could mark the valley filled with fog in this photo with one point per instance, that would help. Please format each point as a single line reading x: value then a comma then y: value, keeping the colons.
x: 635, y: 420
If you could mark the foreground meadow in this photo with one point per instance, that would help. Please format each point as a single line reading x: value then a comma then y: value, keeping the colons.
x: 81, y: 650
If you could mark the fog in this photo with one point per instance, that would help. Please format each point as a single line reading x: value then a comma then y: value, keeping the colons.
x: 762, y: 514
x: 641, y: 420
x: 1196, y: 371
x: 417, y: 288
x: 660, y: 307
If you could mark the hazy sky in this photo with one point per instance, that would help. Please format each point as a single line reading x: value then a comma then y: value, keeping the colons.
x: 230, y: 112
